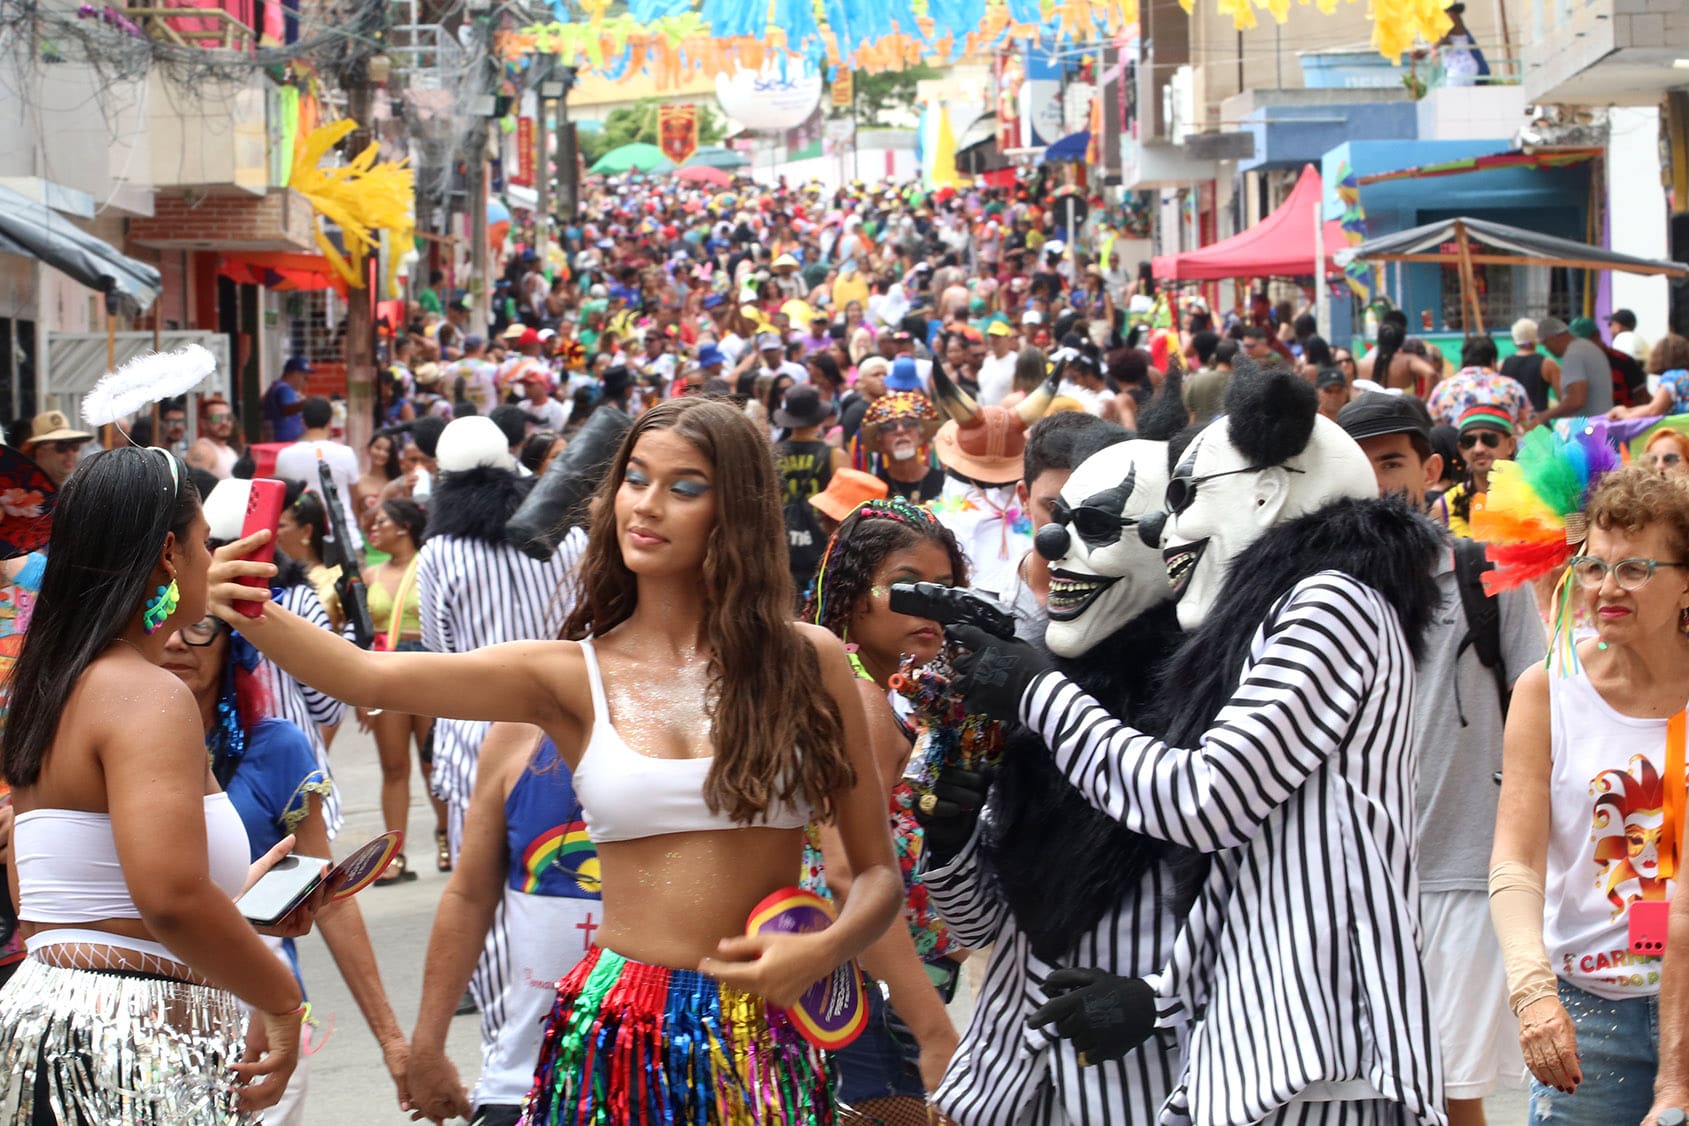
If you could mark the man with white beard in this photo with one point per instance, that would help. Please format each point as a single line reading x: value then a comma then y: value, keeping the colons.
x: 897, y: 431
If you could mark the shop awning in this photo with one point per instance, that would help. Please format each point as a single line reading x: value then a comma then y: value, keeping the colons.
x: 1281, y: 245
x: 35, y: 230
x: 1074, y: 146
x: 1513, y: 158
x: 1432, y: 243
x: 281, y: 271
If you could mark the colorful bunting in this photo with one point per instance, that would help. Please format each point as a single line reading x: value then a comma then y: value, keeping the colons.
x: 1357, y: 273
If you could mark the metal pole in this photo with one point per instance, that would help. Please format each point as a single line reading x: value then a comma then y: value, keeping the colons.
x: 480, y: 285
x: 855, y: 134
x: 542, y: 186
x: 361, y: 398
x: 1322, y: 290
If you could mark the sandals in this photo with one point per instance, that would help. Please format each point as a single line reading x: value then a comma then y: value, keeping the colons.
x: 398, y: 872
x: 442, y: 851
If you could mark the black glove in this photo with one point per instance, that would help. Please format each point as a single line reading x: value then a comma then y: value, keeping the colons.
x: 949, y: 813
x: 993, y: 674
x: 1105, y: 1016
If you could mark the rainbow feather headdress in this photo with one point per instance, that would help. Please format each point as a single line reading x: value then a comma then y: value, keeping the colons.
x: 1531, y: 520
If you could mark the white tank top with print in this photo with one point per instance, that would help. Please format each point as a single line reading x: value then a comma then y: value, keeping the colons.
x: 1604, y: 840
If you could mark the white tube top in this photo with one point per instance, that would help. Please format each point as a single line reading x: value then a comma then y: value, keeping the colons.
x: 626, y: 795
x: 68, y: 870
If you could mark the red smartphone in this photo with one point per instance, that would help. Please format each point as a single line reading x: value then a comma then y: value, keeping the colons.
x: 263, y: 510
x: 1649, y: 920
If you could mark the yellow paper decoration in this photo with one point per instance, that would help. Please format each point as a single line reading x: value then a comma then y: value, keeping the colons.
x: 362, y: 198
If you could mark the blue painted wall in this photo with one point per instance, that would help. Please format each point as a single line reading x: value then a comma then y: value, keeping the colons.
x: 1291, y: 136
x: 1550, y: 201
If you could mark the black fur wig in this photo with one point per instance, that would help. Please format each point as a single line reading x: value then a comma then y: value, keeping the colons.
x: 1040, y: 824
x: 1380, y: 542
x: 476, y: 504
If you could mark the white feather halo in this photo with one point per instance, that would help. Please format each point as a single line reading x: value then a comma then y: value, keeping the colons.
x: 146, y: 380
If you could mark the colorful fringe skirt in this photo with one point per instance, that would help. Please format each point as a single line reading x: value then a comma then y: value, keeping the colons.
x: 629, y: 1044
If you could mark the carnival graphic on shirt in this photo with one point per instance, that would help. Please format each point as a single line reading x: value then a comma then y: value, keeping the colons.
x: 1627, y: 826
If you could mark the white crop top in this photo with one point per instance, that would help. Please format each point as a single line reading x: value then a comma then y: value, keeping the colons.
x: 626, y: 795
x: 68, y: 870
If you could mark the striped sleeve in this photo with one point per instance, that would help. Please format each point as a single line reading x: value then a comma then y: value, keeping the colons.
x: 969, y: 907
x: 436, y: 629
x: 325, y: 710
x: 1311, y: 664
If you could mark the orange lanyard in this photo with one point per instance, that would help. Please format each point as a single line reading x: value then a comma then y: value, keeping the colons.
x: 1671, y: 832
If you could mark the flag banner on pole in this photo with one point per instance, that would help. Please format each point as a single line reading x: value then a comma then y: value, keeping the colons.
x: 677, y: 132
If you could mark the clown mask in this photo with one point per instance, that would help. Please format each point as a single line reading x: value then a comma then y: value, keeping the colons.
x: 1271, y: 458
x: 1102, y: 574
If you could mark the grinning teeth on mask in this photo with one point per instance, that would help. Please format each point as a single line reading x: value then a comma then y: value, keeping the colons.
x: 1070, y: 595
x: 1181, y: 560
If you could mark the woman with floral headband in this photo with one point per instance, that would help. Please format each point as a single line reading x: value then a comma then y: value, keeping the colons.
x: 887, y: 1072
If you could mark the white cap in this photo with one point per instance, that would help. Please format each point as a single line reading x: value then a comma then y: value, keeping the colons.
x: 225, y: 508
x: 1524, y: 331
x: 473, y: 442
x: 1032, y: 317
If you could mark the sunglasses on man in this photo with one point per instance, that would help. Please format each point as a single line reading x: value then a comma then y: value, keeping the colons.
x: 1490, y: 438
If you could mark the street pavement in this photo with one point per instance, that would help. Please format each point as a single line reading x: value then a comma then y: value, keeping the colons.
x: 349, y: 1085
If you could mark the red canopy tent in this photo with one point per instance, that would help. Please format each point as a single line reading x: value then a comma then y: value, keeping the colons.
x: 1281, y: 245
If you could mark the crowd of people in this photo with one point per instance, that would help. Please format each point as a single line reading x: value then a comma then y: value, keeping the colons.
x: 1260, y: 729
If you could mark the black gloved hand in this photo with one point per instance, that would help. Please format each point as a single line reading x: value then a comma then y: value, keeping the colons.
x: 949, y: 813
x: 1103, y: 1015
x: 993, y: 673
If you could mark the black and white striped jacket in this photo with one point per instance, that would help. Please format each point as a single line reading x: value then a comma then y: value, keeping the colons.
x: 1298, y: 971
x: 1006, y: 1074
x: 474, y: 593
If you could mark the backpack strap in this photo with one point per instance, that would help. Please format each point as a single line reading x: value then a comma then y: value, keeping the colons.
x: 1482, y: 613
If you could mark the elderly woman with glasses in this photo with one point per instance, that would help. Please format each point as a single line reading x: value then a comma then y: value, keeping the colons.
x: 1589, y: 832
x: 270, y: 772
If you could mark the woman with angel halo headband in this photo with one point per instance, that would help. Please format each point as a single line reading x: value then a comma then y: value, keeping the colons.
x: 102, y: 746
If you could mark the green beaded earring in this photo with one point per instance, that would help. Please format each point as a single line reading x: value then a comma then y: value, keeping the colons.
x: 160, y: 606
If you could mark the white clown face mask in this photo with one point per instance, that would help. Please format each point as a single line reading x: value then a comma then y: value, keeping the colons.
x: 1218, y: 504
x: 1102, y: 575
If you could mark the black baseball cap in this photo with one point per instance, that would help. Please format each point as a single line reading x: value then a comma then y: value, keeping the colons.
x: 1376, y: 413
x: 1623, y: 317
x: 1331, y: 377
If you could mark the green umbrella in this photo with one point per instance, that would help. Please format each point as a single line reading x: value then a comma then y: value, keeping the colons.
x: 714, y: 156
x: 633, y: 158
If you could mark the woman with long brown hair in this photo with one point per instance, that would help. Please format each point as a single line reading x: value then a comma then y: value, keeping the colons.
x: 704, y: 731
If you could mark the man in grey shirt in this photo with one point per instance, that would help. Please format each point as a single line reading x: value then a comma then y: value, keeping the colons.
x: 1586, y: 378
x: 1458, y: 718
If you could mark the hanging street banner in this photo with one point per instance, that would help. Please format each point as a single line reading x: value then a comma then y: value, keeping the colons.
x: 677, y: 132
x: 525, y: 162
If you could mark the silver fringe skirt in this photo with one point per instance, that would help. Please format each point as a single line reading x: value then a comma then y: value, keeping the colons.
x: 106, y: 1049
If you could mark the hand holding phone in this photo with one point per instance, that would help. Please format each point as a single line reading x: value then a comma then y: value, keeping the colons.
x: 263, y: 513
x: 289, y: 883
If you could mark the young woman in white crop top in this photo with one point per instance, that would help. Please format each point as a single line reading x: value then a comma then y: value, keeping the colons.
x: 1589, y: 832
x: 704, y: 728
x: 127, y: 854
